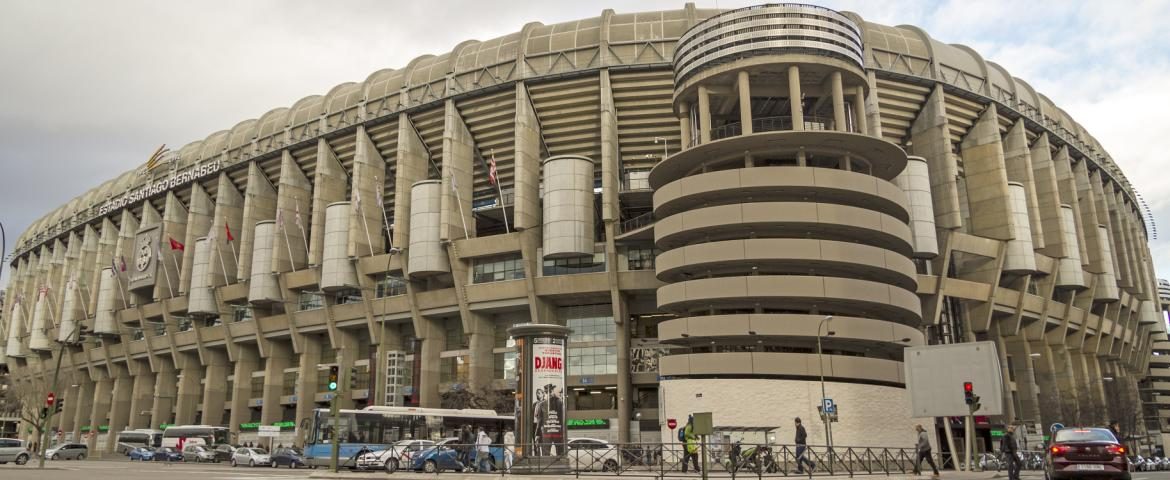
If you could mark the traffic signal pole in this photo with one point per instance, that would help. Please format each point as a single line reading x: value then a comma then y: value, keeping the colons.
x: 335, y: 448
x: 52, y: 408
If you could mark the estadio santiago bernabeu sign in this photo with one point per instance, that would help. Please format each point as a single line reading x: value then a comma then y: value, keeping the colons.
x: 152, y: 188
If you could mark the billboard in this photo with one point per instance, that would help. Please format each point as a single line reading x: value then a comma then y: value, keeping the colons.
x: 935, y: 375
x: 548, y: 394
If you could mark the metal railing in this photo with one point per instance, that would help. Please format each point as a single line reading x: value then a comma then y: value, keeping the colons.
x: 652, y: 460
x: 773, y: 124
x: 637, y: 222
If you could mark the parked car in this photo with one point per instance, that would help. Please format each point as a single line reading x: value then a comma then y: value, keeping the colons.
x: 198, y: 454
x: 13, y: 450
x: 251, y: 457
x: 398, y: 455
x: 144, y: 454
x: 591, y: 454
x: 67, y: 451
x: 167, y: 454
x: 290, y: 457
x: 1086, y: 452
x: 437, y: 458
x: 224, y: 452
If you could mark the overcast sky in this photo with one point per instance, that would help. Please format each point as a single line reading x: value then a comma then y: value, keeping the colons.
x: 89, y: 89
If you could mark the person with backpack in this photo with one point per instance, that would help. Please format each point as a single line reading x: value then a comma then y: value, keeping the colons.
x: 801, y: 448
x: 690, y: 444
x: 923, y: 448
x: 1008, y: 448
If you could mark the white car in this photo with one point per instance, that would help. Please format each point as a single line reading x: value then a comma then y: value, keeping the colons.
x: 591, y: 454
x: 252, y: 457
x: 395, y: 457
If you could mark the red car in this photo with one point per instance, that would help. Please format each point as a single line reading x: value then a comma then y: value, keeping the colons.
x: 1086, y: 453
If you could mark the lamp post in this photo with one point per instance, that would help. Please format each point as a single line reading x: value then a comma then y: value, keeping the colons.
x: 824, y: 415
x: 665, y: 152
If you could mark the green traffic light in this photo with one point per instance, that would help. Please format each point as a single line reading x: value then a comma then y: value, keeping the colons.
x: 332, y: 386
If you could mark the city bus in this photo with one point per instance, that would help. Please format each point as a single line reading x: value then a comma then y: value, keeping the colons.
x: 143, y: 437
x: 194, y: 435
x: 376, y: 428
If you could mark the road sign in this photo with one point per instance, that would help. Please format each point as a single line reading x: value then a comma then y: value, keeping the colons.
x: 50, y: 399
x: 269, y: 431
x: 828, y: 406
x: 671, y: 423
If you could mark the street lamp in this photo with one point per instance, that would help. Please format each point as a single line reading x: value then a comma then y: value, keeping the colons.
x: 664, y: 150
x: 820, y: 361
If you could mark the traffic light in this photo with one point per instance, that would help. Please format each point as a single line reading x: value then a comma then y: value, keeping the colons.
x: 60, y: 404
x: 82, y: 333
x: 44, y: 413
x: 353, y: 377
x: 970, y: 398
x: 333, y: 378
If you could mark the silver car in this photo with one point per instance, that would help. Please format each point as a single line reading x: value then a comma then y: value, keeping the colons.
x: 252, y: 457
x: 67, y: 451
x: 13, y: 450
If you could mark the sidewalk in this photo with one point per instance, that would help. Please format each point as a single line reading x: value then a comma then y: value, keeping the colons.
x: 347, y: 475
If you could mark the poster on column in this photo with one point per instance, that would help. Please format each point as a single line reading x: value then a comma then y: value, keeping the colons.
x: 548, y: 395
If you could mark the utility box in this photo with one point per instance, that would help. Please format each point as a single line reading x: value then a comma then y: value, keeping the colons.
x: 702, y: 424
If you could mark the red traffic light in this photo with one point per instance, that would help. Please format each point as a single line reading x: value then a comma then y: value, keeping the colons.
x: 968, y: 388
x: 50, y: 398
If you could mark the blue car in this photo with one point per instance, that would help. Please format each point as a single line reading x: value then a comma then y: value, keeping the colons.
x: 444, y: 456
x: 168, y: 454
x: 144, y: 454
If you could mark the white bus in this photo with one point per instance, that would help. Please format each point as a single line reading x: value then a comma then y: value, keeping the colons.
x: 194, y: 435
x: 142, y: 437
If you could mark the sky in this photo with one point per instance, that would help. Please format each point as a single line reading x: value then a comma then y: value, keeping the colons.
x: 89, y: 89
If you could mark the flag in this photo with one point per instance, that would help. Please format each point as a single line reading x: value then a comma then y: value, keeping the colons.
x: 113, y: 265
x: 43, y: 291
x: 297, y: 220
x: 174, y: 244
x: 228, y: 228
x: 122, y: 264
x: 280, y: 217
x: 492, y: 170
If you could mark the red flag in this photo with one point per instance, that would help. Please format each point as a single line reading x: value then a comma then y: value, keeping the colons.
x: 492, y: 179
x: 175, y: 245
x: 122, y: 264
x: 228, y: 228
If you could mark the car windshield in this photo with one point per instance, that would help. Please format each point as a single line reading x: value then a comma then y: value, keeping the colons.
x: 259, y: 451
x: 1084, y: 435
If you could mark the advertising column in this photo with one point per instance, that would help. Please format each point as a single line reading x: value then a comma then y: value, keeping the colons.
x: 540, y: 396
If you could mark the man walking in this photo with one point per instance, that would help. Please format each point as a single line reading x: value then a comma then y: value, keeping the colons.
x: 924, y: 452
x: 690, y: 445
x: 1007, y: 447
x: 801, y: 447
x: 483, y: 453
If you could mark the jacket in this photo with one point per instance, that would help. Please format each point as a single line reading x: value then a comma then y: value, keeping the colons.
x: 1007, y: 444
x: 510, y: 440
x: 692, y: 439
x: 923, y: 442
x: 483, y: 443
x: 801, y: 435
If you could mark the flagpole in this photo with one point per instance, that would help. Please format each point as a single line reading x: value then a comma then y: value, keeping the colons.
x: 170, y: 286
x: 304, y: 237
x: 287, y: 245
x: 459, y: 201
x: 121, y: 289
x: 178, y: 269
x: 222, y: 266
x: 357, y: 210
x: 84, y: 306
x: 500, y: 190
x: 231, y: 243
x: 385, y: 219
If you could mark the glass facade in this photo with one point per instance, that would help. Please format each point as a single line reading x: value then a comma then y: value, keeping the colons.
x: 391, y: 285
x: 310, y: 301
x: 641, y: 258
x: 569, y: 266
x: 592, y: 360
x: 454, y: 369
x: 496, y: 269
x: 592, y: 329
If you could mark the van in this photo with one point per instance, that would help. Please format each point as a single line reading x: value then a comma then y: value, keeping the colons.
x: 13, y: 450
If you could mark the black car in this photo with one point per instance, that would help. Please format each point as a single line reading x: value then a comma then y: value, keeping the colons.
x: 288, y: 457
x: 224, y: 452
x: 1078, y: 453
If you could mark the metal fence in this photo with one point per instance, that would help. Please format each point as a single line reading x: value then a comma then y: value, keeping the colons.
x: 662, y: 460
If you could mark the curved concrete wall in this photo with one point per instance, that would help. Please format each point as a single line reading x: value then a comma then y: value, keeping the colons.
x: 426, y: 255
x: 1107, y: 279
x: 72, y: 303
x: 1020, y: 257
x: 263, y: 287
x: 104, y: 321
x: 568, y: 206
x: 1070, y: 273
x: 15, y: 331
x: 201, y: 298
x: 38, y: 339
x: 915, y: 182
x: 337, y: 271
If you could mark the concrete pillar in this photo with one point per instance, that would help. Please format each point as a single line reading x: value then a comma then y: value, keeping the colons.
x: 795, y: 98
x: 859, y: 110
x: 346, y: 345
x: 481, y: 339
x: 840, y: 123
x: 69, y: 411
x: 1045, y: 375
x: 625, y: 389
x: 214, y: 386
x: 307, y: 381
x: 1025, y: 375
x: 99, y: 414
x: 83, y: 406
x: 189, y: 391
x: 246, y: 362
x: 704, y: 115
x: 279, y: 358
x: 142, y: 397
x: 120, y: 412
x: 743, y: 84
x: 684, y: 124
x: 988, y: 197
x: 430, y: 331
x: 166, y: 388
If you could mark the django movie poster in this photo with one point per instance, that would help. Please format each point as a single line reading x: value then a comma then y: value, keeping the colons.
x: 548, y: 395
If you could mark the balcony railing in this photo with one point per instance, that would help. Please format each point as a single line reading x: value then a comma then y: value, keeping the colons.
x: 637, y: 222
x: 773, y: 124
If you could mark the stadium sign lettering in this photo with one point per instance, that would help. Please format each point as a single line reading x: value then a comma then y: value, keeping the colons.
x: 153, y: 188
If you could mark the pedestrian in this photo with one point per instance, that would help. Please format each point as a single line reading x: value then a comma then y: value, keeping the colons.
x: 466, y: 446
x: 923, y: 448
x: 801, y: 450
x: 690, y: 445
x: 509, y: 449
x: 1008, y: 448
x: 483, y: 453
x: 1115, y: 429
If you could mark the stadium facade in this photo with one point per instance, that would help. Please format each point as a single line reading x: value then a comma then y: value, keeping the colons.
x: 691, y: 191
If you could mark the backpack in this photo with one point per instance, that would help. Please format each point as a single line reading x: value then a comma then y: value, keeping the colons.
x: 682, y: 435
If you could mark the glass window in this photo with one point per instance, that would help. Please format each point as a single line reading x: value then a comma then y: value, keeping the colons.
x: 454, y: 369
x: 592, y: 329
x: 455, y: 338
x: 568, y: 266
x: 257, y: 387
x: 311, y: 301
x: 362, y: 381
x: 391, y: 285
x: 351, y: 295
x: 502, y: 339
x: 641, y: 258
x: 593, y: 360
x: 185, y: 323
x: 290, y: 383
x: 241, y: 313
x: 496, y: 269
x: 505, y: 365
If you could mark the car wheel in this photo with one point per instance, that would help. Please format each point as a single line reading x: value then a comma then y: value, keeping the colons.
x: 233, y: 463
x: 431, y: 467
x: 391, y: 465
x: 610, y: 466
x: 81, y: 456
x: 251, y: 463
x: 21, y: 459
x: 56, y: 456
